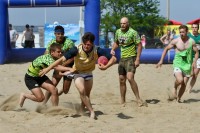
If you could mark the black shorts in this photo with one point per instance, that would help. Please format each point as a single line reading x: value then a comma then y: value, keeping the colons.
x: 28, y: 44
x: 34, y: 82
x: 126, y: 65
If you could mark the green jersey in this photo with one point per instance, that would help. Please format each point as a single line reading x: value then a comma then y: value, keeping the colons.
x: 127, y: 42
x: 40, y: 63
x: 66, y: 45
x: 197, y: 41
x: 183, y: 60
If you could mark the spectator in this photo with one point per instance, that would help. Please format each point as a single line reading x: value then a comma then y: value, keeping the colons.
x: 13, y: 36
x: 143, y: 41
x: 29, y: 36
x: 33, y: 37
x: 167, y: 38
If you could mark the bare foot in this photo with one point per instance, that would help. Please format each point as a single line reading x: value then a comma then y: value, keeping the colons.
x: 93, y: 116
x: 21, y: 99
x: 171, y: 96
x: 189, y: 90
x: 123, y: 104
x: 141, y: 103
x: 179, y: 100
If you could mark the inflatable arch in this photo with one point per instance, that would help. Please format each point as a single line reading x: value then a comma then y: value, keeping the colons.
x: 91, y: 17
x: 92, y: 22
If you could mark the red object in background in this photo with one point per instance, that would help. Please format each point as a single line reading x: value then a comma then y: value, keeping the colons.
x: 195, y: 21
x: 174, y: 22
x: 102, y: 60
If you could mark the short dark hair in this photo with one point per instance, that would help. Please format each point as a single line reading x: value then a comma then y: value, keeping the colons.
x: 88, y: 36
x: 10, y: 25
x: 27, y: 26
x: 59, y: 28
x: 183, y: 27
x: 54, y: 46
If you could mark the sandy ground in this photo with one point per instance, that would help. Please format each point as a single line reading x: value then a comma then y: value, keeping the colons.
x: 161, y: 115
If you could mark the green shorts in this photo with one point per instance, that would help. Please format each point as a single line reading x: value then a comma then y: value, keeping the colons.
x: 126, y: 65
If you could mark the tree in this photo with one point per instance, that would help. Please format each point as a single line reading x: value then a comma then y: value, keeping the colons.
x: 143, y: 15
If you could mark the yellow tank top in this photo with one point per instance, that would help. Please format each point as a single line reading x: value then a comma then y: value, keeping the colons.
x: 85, y: 62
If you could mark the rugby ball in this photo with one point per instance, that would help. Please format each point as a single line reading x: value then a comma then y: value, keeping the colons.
x: 102, y: 60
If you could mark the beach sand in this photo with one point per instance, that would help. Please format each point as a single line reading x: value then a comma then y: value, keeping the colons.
x: 154, y: 84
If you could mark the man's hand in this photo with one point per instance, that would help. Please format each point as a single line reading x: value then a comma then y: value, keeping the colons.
x: 102, y: 66
x: 112, y: 52
x: 137, y: 63
x: 43, y: 72
x: 159, y: 64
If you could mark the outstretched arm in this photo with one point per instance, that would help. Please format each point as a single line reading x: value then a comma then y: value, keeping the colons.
x: 114, y: 47
x: 67, y: 56
x: 56, y: 63
x: 170, y: 46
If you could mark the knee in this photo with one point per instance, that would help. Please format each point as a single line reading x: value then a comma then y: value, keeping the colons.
x: 82, y: 94
x: 122, y: 79
x: 130, y: 79
x: 40, y: 99
x: 180, y: 81
x: 54, y: 91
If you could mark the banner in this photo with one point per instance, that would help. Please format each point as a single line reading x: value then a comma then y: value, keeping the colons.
x: 173, y: 28
x: 72, y: 31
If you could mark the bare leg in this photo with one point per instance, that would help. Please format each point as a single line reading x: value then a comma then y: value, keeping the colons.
x: 175, y: 91
x: 134, y: 87
x: 180, y: 80
x: 122, y: 81
x: 182, y: 89
x: 66, y: 86
x: 80, y: 84
x: 55, y: 80
x: 88, y: 90
x: 48, y: 85
x: 193, y: 80
x: 21, y: 99
x: 36, y: 95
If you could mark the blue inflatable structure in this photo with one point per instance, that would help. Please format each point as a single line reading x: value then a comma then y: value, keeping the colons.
x: 92, y: 22
x: 91, y: 17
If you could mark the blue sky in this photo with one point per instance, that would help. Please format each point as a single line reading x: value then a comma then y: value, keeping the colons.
x: 180, y: 10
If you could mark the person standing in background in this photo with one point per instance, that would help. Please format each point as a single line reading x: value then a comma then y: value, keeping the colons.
x: 28, y: 35
x: 167, y: 38
x: 143, y: 41
x: 196, y: 36
x: 13, y: 36
x: 33, y: 37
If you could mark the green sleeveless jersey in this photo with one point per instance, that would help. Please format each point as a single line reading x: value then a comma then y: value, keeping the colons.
x: 183, y: 59
x: 127, y: 42
x: 197, y: 41
x: 40, y: 63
